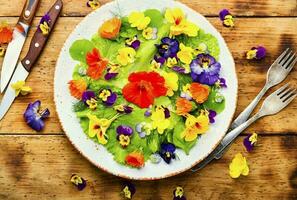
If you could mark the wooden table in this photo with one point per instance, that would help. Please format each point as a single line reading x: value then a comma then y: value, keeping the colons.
x: 39, y: 165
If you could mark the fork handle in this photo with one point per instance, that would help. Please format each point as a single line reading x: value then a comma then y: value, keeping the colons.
x: 242, y: 117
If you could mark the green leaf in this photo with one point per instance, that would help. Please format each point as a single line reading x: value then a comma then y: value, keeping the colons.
x: 154, y: 142
x: 79, y: 50
x: 212, y: 104
x: 126, y: 30
x: 157, y: 19
x: 162, y: 101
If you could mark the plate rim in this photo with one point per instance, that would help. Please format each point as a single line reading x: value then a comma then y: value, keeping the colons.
x: 169, y: 174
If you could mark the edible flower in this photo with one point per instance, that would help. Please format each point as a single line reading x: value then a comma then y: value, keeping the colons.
x: 112, y: 71
x: 96, y: 64
x: 150, y: 33
x: 77, y: 87
x: 44, y: 24
x: 78, y: 181
x: 167, y: 152
x: 195, y: 126
x: 123, y: 109
x: 226, y: 18
x: 126, y: 55
x: 123, y: 135
x: 180, y: 70
x: 205, y: 69
x: 143, y: 129
x: 202, y: 48
x: 178, y: 194
x: 186, y: 92
x: 221, y: 83
x: 34, y: 116
x: 250, y: 141
x: 171, y: 62
x: 211, y: 116
x: 135, y: 159
x: 110, y: 28
x: 143, y: 88
x: 185, y: 54
x: 148, y: 111
x: 20, y: 87
x: 108, y: 97
x: 171, y: 82
x: 139, y: 20
x: 5, y: 33
x: 257, y: 53
x: 238, y: 166
x: 89, y: 98
x: 94, y: 4
x: 179, y: 23
x: 2, y: 51
x: 199, y: 92
x: 128, y: 190
x: 133, y: 42
x: 168, y: 47
x: 159, y: 118
x: 183, y: 106
x: 98, y: 127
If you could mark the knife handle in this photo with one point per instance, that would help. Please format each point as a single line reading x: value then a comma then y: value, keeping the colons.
x: 28, y: 12
x: 39, y: 40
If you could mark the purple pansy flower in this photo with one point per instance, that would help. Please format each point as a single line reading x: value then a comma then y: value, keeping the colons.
x: 205, y: 69
x: 78, y: 181
x: 88, y: 95
x: 123, y: 109
x: 227, y: 18
x: 211, y: 115
x: 257, y: 53
x: 34, y: 117
x: 112, y: 71
x: 133, y: 42
x: 108, y: 97
x: 178, y: 194
x: 250, y: 141
x: 128, y: 190
x: 168, y: 47
x: 178, y: 69
x: 46, y: 18
x: 167, y: 152
x: 159, y: 59
x: 124, y: 130
x: 222, y: 83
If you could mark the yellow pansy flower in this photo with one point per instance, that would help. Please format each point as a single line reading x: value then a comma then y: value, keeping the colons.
x: 126, y: 56
x: 92, y: 103
x: 179, y: 23
x: 139, y: 20
x: 20, y: 87
x: 238, y: 166
x: 155, y: 65
x: 44, y: 27
x: 171, y: 82
x: 159, y: 121
x: 195, y: 126
x: 104, y: 94
x: 185, y: 54
x: 150, y: 33
x: 171, y: 62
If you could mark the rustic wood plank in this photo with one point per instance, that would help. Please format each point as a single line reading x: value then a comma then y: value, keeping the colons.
x: 251, y: 74
x: 205, y: 7
x: 42, y: 165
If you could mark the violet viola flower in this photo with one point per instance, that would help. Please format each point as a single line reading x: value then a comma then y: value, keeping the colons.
x: 123, y: 135
x: 211, y: 115
x: 205, y: 69
x: 34, y: 117
x: 108, y: 97
x: 123, y: 109
x: 128, y: 190
x: 78, y: 181
x: 257, y: 53
x: 88, y: 95
x: 178, y: 69
x: 178, y: 194
x: 250, y: 141
x: 133, y: 42
x: 43, y: 26
x: 159, y: 59
x: 112, y: 71
x: 167, y: 152
x: 227, y: 18
x: 168, y: 47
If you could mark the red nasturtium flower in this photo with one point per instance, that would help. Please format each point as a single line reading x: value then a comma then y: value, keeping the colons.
x: 96, y: 64
x: 135, y: 159
x: 143, y: 88
x: 77, y: 88
x: 5, y: 34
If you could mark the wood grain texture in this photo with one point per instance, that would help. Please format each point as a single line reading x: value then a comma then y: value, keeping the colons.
x: 41, y: 166
x: 251, y: 74
x: 205, y: 7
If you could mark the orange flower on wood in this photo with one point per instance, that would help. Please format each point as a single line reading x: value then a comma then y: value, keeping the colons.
x: 96, y: 63
x: 199, y: 92
x: 77, y: 87
x: 135, y: 159
x: 183, y: 106
x: 5, y: 34
x: 110, y: 28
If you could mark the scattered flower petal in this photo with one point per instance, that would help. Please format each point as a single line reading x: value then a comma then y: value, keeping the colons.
x: 238, y: 166
x: 6, y: 33
x: 77, y: 87
x: 178, y: 194
x: 226, y: 18
x: 128, y: 190
x: 44, y: 24
x: 78, y: 181
x: 94, y: 4
x: 21, y: 88
x: 250, y: 141
x: 34, y: 116
x: 110, y: 29
x: 257, y: 53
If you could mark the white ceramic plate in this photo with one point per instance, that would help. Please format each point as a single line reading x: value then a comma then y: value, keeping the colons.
x: 96, y: 153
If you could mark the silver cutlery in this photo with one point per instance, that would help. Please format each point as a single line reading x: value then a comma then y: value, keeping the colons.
x: 277, y: 72
x: 273, y: 104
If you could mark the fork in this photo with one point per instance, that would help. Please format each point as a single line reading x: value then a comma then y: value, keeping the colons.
x: 277, y: 72
x: 271, y: 105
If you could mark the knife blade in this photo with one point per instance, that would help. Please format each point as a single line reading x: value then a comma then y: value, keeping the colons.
x: 14, y: 48
x: 25, y: 65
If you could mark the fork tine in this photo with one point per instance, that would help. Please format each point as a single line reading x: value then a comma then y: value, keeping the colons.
x: 289, y: 61
x: 289, y: 93
x: 281, y: 89
x: 288, y: 55
x: 292, y: 64
x: 282, y: 56
x: 288, y: 100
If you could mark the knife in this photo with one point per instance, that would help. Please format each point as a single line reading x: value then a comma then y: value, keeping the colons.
x: 14, y: 48
x: 25, y: 65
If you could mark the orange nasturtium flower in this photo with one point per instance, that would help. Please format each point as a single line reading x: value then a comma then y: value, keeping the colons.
x: 110, y: 28
x: 77, y: 87
x: 183, y: 106
x: 199, y: 92
x: 96, y: 64
x: 5, y: 33
x: 135, y: 159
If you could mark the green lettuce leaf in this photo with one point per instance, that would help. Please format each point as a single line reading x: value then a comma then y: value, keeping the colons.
x: 79, y: 50
x: 157, y: 19
x: 212, y: 104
